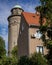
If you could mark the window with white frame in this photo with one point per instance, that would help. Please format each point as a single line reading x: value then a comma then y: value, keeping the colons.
x: 39, y: 49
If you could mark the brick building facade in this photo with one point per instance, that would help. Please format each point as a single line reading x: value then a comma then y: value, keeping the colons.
x: 23, y: 27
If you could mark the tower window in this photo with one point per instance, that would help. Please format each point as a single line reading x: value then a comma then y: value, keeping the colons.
x: 22, y: 26
x: 20, y: 32
x: 39, y: 49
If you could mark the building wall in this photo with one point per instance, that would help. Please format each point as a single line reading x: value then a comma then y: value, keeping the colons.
x: 23, y: 38
x: 26, y: 44
x: 20, y: 34
x: 34, y: 42
x: 14, y: 24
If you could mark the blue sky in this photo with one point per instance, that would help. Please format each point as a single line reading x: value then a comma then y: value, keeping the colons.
x: 6, y: 6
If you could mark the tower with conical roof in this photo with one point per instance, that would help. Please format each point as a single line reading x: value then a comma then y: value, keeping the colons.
x: 13, y: 26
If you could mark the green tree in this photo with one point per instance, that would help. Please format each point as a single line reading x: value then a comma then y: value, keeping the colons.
x: 35, y: 59
x: 24, y: 60
x: 13, y: 60
x: 15, y: 52
x: 9, y: 61
x: 45, y: 10
x: 38, y: 59
x: 2, y: 47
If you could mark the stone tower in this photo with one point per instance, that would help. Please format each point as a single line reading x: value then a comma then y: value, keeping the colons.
x: 13, y: 27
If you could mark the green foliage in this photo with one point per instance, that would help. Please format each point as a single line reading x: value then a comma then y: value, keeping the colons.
x: 43, y: 29
x: 4, y: 60
x: 35, y: 59
x: 8, y: 61
x: 38, y: 59
x: 49, y: 45
x: 15, y: 52
x: 46, y: 12
x: 24, y: 60
x: 49, y: 33
x: 2, y: 47
x: 47, y: 8
x: 2, y: 42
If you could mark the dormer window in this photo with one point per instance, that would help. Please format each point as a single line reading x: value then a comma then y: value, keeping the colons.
x: 34, y: 16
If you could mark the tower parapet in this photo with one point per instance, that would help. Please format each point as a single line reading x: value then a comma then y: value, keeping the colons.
x: 16, y: 10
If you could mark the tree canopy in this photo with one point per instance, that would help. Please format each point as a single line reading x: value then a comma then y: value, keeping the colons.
x: 2, y: 47
x: 45, y: 10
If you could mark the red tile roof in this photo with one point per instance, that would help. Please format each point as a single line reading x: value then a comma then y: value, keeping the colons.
x: 31, y: 18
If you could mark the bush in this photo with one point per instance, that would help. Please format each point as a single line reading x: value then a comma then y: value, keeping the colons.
x: 38, y: 59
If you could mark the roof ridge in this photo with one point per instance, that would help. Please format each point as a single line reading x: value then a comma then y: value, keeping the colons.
x: 31, y: 18
x: 28, y: 12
